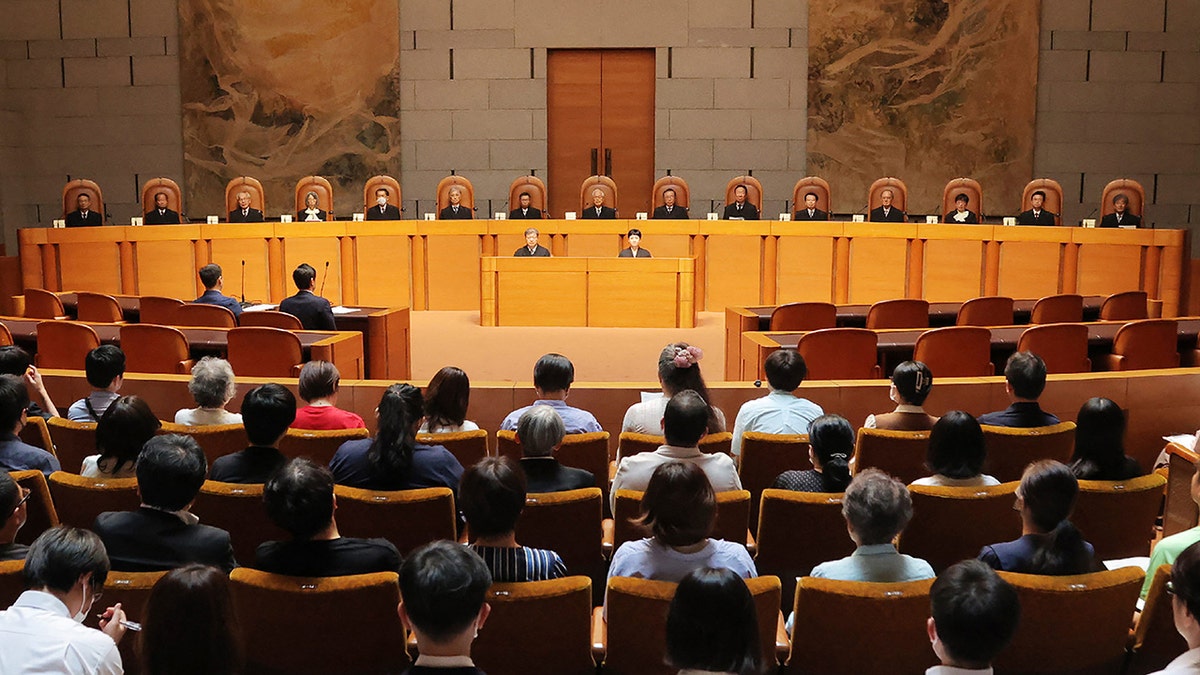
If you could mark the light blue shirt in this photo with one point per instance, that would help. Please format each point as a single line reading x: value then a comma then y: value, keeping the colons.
x: 576, y: 421
x: 879, y: 563
x: 779, y: 412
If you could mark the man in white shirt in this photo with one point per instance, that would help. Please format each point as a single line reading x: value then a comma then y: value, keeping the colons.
x: 975, y: 614
x: 781, y: 411
x: 42, y: 631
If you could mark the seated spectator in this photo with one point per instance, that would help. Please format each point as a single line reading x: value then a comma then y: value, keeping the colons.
x: 15, y: 454
x: 16, y: 361
x: 190, y: 626
x: 393, y: 460
x: 163, y: 533
x: 42, y: 631
x: 267, y: 411
x: 14, y: 512
x: 781, y: 411
x: 492, y: 495
x: 830, y: 447
x: 684, y: 422
x: 105, y: 371
x: 212, y: 388
x: 956, y: 453
x: 1025, y: 379
x: 1050, y: 544
x: 1100, y: 443
x: 214, y: 282
x: 319, y: 389
x: 446, y: 401
x: 540, y: 432
x: 1185, y: 605
x: 443, y: 586
x: 1167, y: 550
x: 299, y: 499
x: 122, y: 431
x: 712, y: 625
x: 553, y: 375
x: 877, y: 508
x: 678, y: 370
x: 974, y: 615
x: 911, y: 384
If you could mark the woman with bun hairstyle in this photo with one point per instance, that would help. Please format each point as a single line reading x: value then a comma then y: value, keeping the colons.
x: 678, y: 370
x: 911, y: 383
x: 830, y: 447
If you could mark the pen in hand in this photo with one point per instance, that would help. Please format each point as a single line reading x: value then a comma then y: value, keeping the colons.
x: 129, y: 625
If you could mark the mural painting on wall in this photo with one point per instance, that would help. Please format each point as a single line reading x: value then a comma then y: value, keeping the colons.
x: 280, y: 90
x: 924, y: 90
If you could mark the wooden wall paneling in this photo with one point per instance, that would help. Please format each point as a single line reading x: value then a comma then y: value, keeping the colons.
x: 452, y: 263
x: 1172, y: 261
x: 573, y: 123
x: 535, y: 299
x: 733, y: 266
x: 89, y: 258
x: 806, y: 259
x: 319, y: 245
x: 382, y: 254
x: 954, y: 262
x: 612, y: 282
x: 34, y: 243
x: 227, y: 245
x: 627, y: 125
x: 163, y: 259
x: 738, y: 320
x: 878, y: 260
x: 1031, y: 260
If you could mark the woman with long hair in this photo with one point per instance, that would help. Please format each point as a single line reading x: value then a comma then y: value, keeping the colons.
x: 120, y: 434
x: 678, y: 370
x: 830, y: 447
x: 956, y: 453
x: 712, y: 625
x: 1100, y: 443
x: 446, y: 401
x: 190, y: 626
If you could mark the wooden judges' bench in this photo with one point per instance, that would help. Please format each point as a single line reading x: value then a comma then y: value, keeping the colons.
x: 434, y: 264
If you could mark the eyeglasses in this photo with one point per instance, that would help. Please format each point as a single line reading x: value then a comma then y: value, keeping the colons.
x: 27, y: 493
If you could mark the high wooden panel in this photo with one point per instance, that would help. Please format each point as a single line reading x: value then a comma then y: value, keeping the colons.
x: 231, y: 245
x: 1109, y: 268
x: 384, y: 269
x: 535, y: 298
x: 627, y: 132
x: 573, y: 119
x: 612, y: 281
x: 1029, y: 269
x: 805, y: 269
x: 452, y: 268
x: 167, y: 268
x: 92, y: 266
x: 594, y: 245
x: 323, y: 253
x: 733, y: 265
x: 878, y: 268
x: 953, y: 269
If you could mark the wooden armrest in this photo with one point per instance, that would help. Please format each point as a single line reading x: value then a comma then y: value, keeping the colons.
x: 751, y: 544
x: 599, y: 634
x: 783, y: 644
x: 296, y: 369
x: 607, y: 536
x: 612, y: 471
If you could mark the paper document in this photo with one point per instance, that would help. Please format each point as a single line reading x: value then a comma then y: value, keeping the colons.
x: 258, y: 308
x: 344, y: 310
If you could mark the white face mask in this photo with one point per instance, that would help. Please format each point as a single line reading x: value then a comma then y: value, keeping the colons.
x: 83, y: 610
x: 381, y: 201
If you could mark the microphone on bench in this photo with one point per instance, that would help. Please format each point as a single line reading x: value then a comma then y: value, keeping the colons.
x: 244, y: 303
x: 324, y: 278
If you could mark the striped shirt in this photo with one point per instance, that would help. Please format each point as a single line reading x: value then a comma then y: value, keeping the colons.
x: 521, y: 563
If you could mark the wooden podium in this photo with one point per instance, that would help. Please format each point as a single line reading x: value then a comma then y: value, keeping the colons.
x: 613, y: 292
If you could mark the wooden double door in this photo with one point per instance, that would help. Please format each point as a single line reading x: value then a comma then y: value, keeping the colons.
x: 600, y: 120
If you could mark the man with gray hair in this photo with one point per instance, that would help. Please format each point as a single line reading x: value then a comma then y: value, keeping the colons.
x: 540, y: 431
x: 244, y: 213
x: 456, y: 210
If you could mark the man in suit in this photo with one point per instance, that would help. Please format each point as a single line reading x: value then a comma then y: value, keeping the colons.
x: 1036, y: 215
x: 668, y: 211
x: 635, y: 249
x: 214, y: 281
x: 267, y: 412
x: 525, y: 211
x: 160, y: 214
x: 314, y: 312
x: 1120, y: 217
x: 598, y: 210
x: 243, y: 213
x: 741, y: 209
x: 456, y: 210
x: 384, y: 210
x: 444, y: 586
x: 532, y: 249
x: 810, y: 210
x: 961, y: 215
x: 83, y: 215
x: 162, y: 533
x: 885, y: 212
x: 540, y: 431
x: 1025, y: 379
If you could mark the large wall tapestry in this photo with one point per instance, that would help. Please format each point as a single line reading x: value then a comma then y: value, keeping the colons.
x: 281, y: 89
x: 924, y: 90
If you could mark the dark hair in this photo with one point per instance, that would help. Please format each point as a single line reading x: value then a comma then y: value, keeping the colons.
x: 103, y: 365
x: 303, y: 276
x: 832, y: 441
x: 1099, y: 440
x: 785, y: 369
x: 1026, y: 374
x: 267, y: 412
x: 170, y: 471
x: 553, y: 372
x: 299, y: 497
x: 813, y: 195
x: 712, y: 624
x: 876, y: 506
x: 122, y: 431
x: 1185, y: 579
x: 392, y: 448
x: 633, y: 232
x: 975, y: 612
x: 14, y: 400
x: 679, y: 507
x: 956, y: 448
x: 318, y: 379
x: 60, y: 555
x: 913, y: 382
x: 1120, y: 197
x: 447, y: 398
x: 10, y: 496
x: 1048, y: 489
x: 492, y: 495
x: 443, y: 585
x: 670, y: 189
x: 14, y: 360
x: 383, y: 189
x: 1038, y: 192
x: 210, y: 274
x: 677, y: 378
x: 963, y: 197
x: 190, y: 626
x: 685, y: 419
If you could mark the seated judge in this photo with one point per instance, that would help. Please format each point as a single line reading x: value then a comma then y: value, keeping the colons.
x: 214, y: 281
x: 961, y: 214
x: 311, y: 212
x: 669, y: 211
x: 1120, y: 216
x: 741, y: 209
x: 810, y: 210
x: 314, y: 312
x: 635, y: 249
x: 598, y: 210
x: 525, y: 211
x: 83, y: 215
x: 456, y: 210
x: 243, y: 213
x: 532, y: 249
x: 383, y: 210
x: 1036, y: 215
x: 160, y: 214
x: 885, y: 212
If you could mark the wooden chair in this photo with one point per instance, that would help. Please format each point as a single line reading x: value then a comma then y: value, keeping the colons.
x: 1131, y: 189
x: 804, y: 316
x: 898, y: 313
x: 568, y: 523
x: 265, y: 352
x: 395, y: 196
x: 897, y: 453
x: 468, y: 447
x: 1051, y: 637
x: 73, y: 189
x: 798, y: 531
x: 215, y: 440
x: 840, y: 354
x: 1127, y: 306
x: 733, y: 518
x: 168, y: 187
x: 1143, y: 345
x: 754, y: 191
x: 98, y: 308
x: 683, y: 196
x: 36, y: 433
x: 818, y: 186
x: 1062, y: 346
x: 764, y: 457
x: 323, y: 189
x: 238, y: 509
x: 72, y: 442
x: 281, y: 636
x: 991, y: 310
x: 971, y: 188
x: 1155, y: 642
x: 132, y: 590
x: 956, y: 351
x: 245, y: 184
x: 1117, y: 517
x: 1054, y: 197
x: 203, y: 316
x: 1062, y: 308
x: 593, y: 183
x: 1011, y: 449
x: 632, y: 443
x: 64, y: 344
x: 583, y: 451
x: 12, y: 581
x: 40, y: 514
x: 150, y: 348
x: 950, y: 524
x: 899, y: 193
x: 317, y: 445
x: 78, y: 500
x: 157, y: 309
x: 833, y: 617
x: 466, y: 190
x: 42, y: 304
x: 270, y: 319
x: 407, y: 518
x: 550, y: 620
x: 6, y: 337
x: 538, y: 197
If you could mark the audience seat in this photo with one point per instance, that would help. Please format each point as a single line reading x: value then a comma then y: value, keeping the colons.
x: 36, y: 433
x: 265, y: 352
x: 6, y: 337
x: 40, y: 513
x: 132, y: 590
x: 804, y: 316
x: 1155, y: 642
x: 632, y: 443
x: 538, y: 628
x: 1063, y: 308
x: 840, y: 354
x: 319, y: 445
x: 1062, y: 346
x: 150, y: 348
x: 78, y: 500
x: 216, y: 440
x: 64, y: 344
x: 956, y: 351
x: 1011, y: 449
x: 898, y: 313
x: 991, y: 310
x: 238, y: 509
x: 157, y: 309
x: 43, y: 304
x: 568, y: 523
x: 897, y: 453
x: 583, y: 451
x: 270, y: 319
x: 1146, y: 344
x: 468, y: 447
x: 796, y: 532
x: 407, y: 518
x: 733, y: 519
x: 1117, y: 517
x: 73, y: 441
x: 12, y: 581
x: 764, y: 457
x: 950, y: 524
x: 1127, y: 306
x: 203, y: 316
x: 98, y: 308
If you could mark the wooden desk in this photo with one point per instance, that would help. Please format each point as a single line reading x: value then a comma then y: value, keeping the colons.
x: 1180, y: 511
x: 587, y: 292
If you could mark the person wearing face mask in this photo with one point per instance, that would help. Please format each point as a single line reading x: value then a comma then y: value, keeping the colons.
x: 13, y: 513
x: 42, y: 631
x: 382, y: 209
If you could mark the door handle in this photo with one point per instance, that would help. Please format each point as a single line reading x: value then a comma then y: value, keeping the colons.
x: 595, y: 161
x: 608, y: 167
